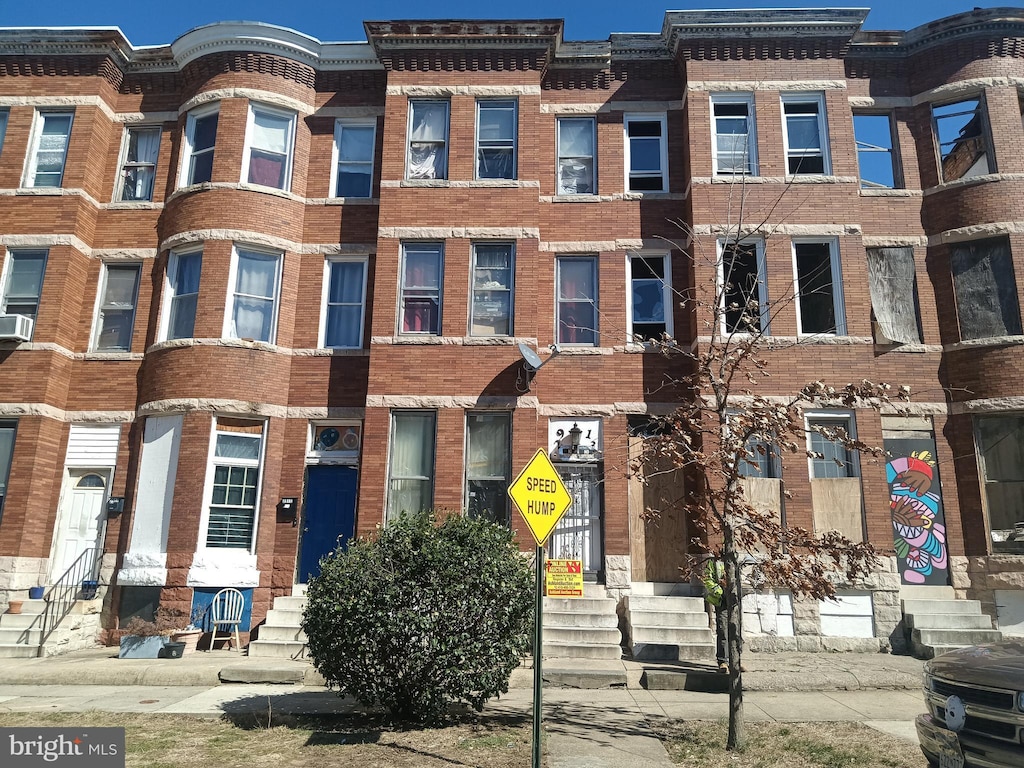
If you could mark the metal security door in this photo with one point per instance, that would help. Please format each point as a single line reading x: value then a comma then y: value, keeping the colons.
x: 329, y: 518
x: 579, y: 535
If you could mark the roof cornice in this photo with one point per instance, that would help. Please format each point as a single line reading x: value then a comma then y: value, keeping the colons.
x: 991, y: 23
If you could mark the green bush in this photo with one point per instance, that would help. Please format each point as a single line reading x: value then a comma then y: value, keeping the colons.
x: 435, y: 610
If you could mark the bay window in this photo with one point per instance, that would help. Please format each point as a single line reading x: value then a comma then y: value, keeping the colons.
x: 138, y: 165
x: 183, y: 272
x: 253, y: 299
x: 48, y: 149
x: 200, y: 139
x: 269, y: 137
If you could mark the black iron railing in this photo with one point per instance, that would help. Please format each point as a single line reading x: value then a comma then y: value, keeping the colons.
x: 67, y: 590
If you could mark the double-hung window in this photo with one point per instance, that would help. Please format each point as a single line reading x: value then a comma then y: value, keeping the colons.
x: 48, y: 149
x: 354, y: 144
x: 200, y: 138
x: 743, y: 286
x: 646, y: 153
x: 734, y: 149
x: 496, y: 123
x: 255, y: 284
x: 234, y: 483
x: 805, y: 134
x: 577, y: 167
x: 962, y: 135
x: 1000, y: 441
x: 488, y: 465
x: 422, y: 265
x: 577, y: 299
x: 138, y: 166
x: 876, y: 158
x: 115, y: 321
x: 819, y: 294
x: 7, y: 429
x: 183, y: 270
x: 825, y: 439
x: 491, y: 313
x: 23, y: 283
x: 4, y: 113
x: 269, y: 138
x: 649, y: 300
x: 411, y: 467
x: 344, y: 303
x: 428, y: 140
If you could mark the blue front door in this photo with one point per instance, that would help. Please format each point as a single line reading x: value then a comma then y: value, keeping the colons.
x: 329, y: 518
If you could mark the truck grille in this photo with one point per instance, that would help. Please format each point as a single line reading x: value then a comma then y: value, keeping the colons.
x: 993, y: 699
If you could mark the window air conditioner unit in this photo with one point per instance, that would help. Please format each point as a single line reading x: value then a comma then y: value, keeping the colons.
x: 15, y: 328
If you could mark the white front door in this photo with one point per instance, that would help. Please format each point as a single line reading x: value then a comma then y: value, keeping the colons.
x: 80, y: 518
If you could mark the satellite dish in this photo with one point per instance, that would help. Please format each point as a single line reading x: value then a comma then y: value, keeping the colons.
x: 533, y: 361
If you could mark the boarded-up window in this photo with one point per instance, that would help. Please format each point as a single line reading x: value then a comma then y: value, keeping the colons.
x: 986, y: 292
x: 893, y: 288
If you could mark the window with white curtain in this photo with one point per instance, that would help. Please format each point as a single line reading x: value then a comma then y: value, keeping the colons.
x: 183, y: 270
x: 7, y: 429
x: 577, y: 169
x: 344, y: 303
x: 138, y: 167
x: 577, y: 299
x: 734, y: 149
x: 488, y: 463
x: 23, y: 283
x: 200, y: 139
x: 496, y: 124
x: 48, y: 149
x: 420, y: 310
x: 354, y: 144
x: 491, y: 313
x: 253, y: 298
x: 115, y: 320
x: 428, y: 140
x: 411, y: 469
x: 233, y: 483
x: 267, y: 159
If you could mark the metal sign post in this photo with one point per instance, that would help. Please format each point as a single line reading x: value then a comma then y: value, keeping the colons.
x: 542, y: 499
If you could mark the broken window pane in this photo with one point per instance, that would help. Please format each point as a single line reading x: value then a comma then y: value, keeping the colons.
x: 1001, y: 444
x: 986, y: 292
x: 893, y: 289
x: 963, y: 144
x: 816, y: 290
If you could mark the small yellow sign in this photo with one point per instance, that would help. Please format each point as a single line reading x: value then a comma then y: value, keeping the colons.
x: 564, y: 578
x: 540, y: 495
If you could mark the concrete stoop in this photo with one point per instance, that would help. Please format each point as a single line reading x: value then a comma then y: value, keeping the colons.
x: 581, y: 628
x: 22, y: 633
x: 668, y: 628
x: 939, y: 625
x: 281, y: 635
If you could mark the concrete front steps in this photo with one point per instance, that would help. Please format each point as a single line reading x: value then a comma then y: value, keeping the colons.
x: 937, y: 625
x: 281, y: 636
x: 582, y: 627
x: 668, y: 627
x: 22, y: 633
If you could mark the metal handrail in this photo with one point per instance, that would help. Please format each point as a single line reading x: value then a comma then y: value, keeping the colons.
x: 62, y: 596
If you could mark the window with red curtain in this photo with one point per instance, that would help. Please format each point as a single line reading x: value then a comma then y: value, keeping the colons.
x: 577, y: 300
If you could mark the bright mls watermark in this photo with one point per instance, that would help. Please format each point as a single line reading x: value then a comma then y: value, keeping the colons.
x: 62, y: 747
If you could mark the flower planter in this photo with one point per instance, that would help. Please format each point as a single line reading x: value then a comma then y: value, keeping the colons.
x: 172, y: 651
x: 36, y: 593
x: 14, y: 606
x: 188, y: 638
x: 138, y: 647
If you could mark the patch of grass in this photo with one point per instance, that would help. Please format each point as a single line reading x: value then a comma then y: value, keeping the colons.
x: 701, y: 744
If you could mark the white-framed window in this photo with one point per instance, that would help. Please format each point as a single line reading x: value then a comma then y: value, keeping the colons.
x: 411, y: 462
x: 4, y: 114
x: 115, y: 316
x: 576, y: 281
x: 805, y: 134
x: 420, y: 291
x: 233, y: 483
x: 577, y: 156
x: 200, y: 139
x: 355, y: 142
x: 182, y: 290
x: 488, y: 465
x: 743, y: 277
x: 824, y: 430
x: 139, y: 153
x: 48, y: 149
x: 734, y: 134
x: 253, y: 287
x: 269, y: 141
x: 762, y: 459
x: 22, y: 285
x: 496, y: 129
x: 427, y: 156
x: 649, y: 298
x: 646, y: 152
x: 8, y: 428
x: 961, y: 132
x: 344, y: 303
x: 491, y: 311
x: 875, y: 135
x: 819, y: 288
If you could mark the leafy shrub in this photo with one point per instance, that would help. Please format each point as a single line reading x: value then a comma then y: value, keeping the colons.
x: 435, y: 610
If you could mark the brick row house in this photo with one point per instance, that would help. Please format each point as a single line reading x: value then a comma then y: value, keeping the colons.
x: 259, y: 292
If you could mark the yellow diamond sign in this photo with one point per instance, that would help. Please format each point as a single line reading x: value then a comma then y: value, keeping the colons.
x: 540, y: 495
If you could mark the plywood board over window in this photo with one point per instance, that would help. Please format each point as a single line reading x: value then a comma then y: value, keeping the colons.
x: 837, y: 506
x: 658, y: 539
x: 893, y: 285
x: 986, y: 291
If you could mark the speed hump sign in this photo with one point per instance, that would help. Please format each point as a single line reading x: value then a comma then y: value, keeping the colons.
x: 540, y: 495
